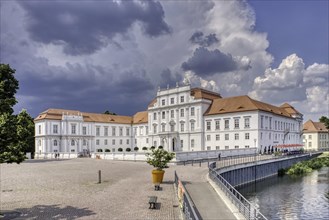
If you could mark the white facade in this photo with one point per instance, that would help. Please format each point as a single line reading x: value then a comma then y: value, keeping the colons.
x: 316, y: 136
x: 177, y: 119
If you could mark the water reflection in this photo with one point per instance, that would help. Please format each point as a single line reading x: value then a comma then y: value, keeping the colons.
x: 291, y: 197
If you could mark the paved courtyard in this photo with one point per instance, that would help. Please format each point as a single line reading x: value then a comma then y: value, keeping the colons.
x: 68, y: 189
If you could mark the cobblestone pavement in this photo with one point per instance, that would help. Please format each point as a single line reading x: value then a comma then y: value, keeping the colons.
x: 68, y: 189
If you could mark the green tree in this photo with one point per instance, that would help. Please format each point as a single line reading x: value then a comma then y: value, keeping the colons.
x: 325, y: 120
x: 25, y: 131
x: 8, y: 88
x: 11, y: 151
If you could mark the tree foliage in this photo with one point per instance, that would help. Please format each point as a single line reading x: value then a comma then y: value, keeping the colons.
x: 16, y: 132
x: 109, y: 113
x: 159, y: 158
x: 324, y: 120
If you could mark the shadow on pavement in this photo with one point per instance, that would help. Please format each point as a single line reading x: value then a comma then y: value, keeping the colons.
x: 47, y: 212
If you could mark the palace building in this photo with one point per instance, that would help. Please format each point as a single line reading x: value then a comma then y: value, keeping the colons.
x: 179, y: 119
x: 315, y: 136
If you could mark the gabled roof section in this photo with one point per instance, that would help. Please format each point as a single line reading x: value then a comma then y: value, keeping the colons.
x: 290, y: 109
x: 140, y: 117
x: 152, y: 103
x: 56, y: 114
x: 241, y: 104
x: 311, y: 126
x: 199, y: 93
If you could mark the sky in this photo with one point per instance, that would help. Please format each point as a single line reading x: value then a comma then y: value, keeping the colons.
x: 103, y: 55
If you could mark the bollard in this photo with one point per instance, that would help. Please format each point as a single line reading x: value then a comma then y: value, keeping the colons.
x: 200, y: 163
x: 99, y: 176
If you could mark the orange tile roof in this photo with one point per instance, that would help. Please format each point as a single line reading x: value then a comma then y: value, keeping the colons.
x: 56, y: 114
x: 311, y: 126
x: 290, y: 109
x: 199, y: 93
x: 140, y: 117
x: 152, y: 103
x: 241, y: 104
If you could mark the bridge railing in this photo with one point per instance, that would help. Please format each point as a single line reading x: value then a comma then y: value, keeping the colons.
x: 248, y: 210
x: 189, y: 210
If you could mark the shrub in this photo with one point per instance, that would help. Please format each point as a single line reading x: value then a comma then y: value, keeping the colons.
x: 144, y: 148
x: 136, y: 148
x: 128, y: 149
x: 160, y: 147
x: 99, y: 150
x: 120, y: 149
x: 152, y: 148
x: 159, y: 158
x: 107, y: 150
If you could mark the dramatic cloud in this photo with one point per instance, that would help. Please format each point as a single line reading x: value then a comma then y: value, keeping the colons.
x: 206, y: 62
x: 84, y: 27
x: 169, y: 79
x: 203, y: 41
x: 306, y: 88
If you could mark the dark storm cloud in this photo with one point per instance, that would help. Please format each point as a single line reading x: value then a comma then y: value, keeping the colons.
x: 204, y: 41
x: 125, y: 96
x: 169, y: 79
x: 83, y: 27
x: 205, y: 62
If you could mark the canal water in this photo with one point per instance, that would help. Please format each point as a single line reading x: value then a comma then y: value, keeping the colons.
x: 289, y: 197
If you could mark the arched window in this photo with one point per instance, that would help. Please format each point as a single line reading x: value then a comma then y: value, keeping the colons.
x: 55, y: 142
x: 72, y: 143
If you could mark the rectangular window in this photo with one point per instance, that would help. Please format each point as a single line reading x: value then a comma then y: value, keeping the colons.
x: 120, y: 141
x: 172, y: 101
x: 84, y: 130
x: 105, y: 142
x: 208, y: 137
x: 163, y: 115
x: 227, y: 137
x: 236, y: 123
x: 154, y: 129
x: 192, y: 126
x: 106, y: 131
x: 182, y: 99
x: 97, y: 131
x: 172, y: 128
x: 146, y: 130
x: 141, y: 130
x: 192, y: 143
x: 247, y: 146
x: 261, y: 121
x: 84, y: 142
x: 113, y: 131
x: 155, y: 143
x: 217, y: 147
x: 172, y: 113
x: 182, y: 112
x: 236, y: 147
x: 246, y: 122
x: 97, y: 142
x: 147, y: 140
x: 192, y: 111
x: 127, y: 131
x: 73, y: 129
x: 246, y: 136
x: 208, y: 148
x: 217, y: 125
x: 208, y: 126
x: 309, y: 136
x: 121, y: 132
x: 261, y: 135
x: 227, y: 147
x: 227, y: 124
x: 154, y: 116
x: 113, y: 142
x: 163, y: 102
x: 55, y: 129
x: 163, y: 127
x: 182, y: 127
x: 181, y: 143
x: 309, y: 144
x: 270, y: 122
x: 236, y: 136
x: 39, y: 128
x: 127, y: 141
x: 217, y: 137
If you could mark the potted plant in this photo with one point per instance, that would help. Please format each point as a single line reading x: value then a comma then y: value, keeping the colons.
x: 159, y: 158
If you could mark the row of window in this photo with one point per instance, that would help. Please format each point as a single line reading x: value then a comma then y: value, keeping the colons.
x: 172, y: 127
x: 266, y: 122
x: 172, y: 113
x: 227, y: 123
x: 225, y: 147
x: 227, y: 137
x: 172, y: 100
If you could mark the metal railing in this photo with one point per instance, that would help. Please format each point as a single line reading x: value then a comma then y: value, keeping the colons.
x: 242, y: 204
x: 189, y: 210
